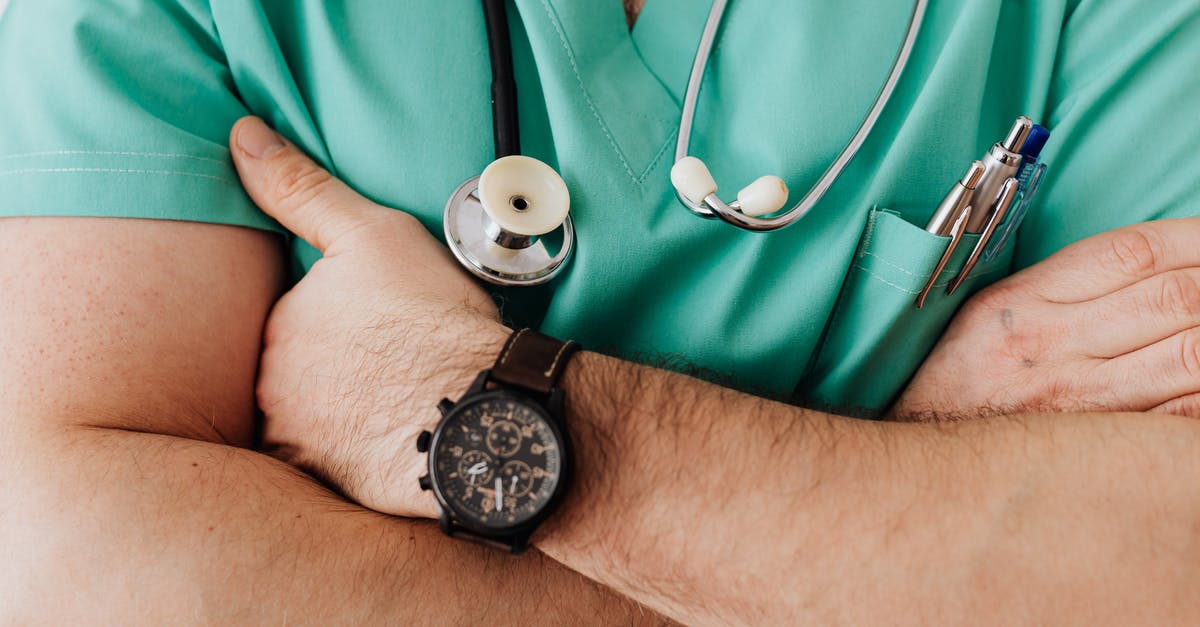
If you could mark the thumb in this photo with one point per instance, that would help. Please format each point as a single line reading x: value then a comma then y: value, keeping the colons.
x: 288, y: 186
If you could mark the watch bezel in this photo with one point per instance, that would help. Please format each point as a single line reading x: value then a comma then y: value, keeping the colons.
x: 465, y: 520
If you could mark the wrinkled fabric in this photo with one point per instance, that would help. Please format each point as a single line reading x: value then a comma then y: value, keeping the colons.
x: 123, y: 108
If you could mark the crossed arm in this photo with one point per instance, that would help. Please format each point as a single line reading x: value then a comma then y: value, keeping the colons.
x: 126, y: 388
x: 125, y: 495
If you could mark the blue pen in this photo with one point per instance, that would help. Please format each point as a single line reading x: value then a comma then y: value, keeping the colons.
x: 1029, y: 176
x: 1030, y: 151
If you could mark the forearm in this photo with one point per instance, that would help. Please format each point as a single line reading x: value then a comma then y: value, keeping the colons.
x: 713, y: 506
x: 116, y: 526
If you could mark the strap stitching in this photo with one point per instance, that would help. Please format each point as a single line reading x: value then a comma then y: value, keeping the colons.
x: 512, y: 341
x: 554, y: 365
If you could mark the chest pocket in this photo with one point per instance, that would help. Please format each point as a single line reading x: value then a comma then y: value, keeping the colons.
x: 877, y: 338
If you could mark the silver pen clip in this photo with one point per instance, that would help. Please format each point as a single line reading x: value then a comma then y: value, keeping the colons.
x: 1008, y: 193
x: 951, y: 218
x: 956, y: 235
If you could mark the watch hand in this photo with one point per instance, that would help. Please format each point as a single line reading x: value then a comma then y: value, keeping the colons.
x: 476, y: 470
x: 499, y: 494
x: 513, y: 487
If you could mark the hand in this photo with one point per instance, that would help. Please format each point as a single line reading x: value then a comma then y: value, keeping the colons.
x: 357, y: 355
x: 1111, y: 323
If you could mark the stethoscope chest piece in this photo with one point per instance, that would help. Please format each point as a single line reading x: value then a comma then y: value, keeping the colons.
x: 510, y: 225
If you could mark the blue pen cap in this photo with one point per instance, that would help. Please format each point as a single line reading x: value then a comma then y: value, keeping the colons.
x: 1032, y: 148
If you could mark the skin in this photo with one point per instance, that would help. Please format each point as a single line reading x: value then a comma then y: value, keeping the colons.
x: 126, y: 393
x: 792, y: 516
x: 1109, y: 324
x: 632, y: 9
x: 126, y: 397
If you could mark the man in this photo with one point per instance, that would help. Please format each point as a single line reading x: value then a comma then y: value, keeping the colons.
x: 116, y: 385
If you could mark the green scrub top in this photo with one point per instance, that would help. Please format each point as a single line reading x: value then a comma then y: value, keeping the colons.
x: 123, y: 108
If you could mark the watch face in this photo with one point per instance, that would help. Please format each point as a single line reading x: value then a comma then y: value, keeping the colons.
x: 497, y: 461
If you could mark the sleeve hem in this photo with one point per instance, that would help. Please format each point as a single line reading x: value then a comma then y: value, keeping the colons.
x: 128, y: 185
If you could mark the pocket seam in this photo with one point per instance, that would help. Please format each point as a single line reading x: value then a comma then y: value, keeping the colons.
x: 901, y: 288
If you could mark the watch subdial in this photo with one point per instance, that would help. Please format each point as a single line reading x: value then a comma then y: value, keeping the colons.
x: 476, y: 468
x: 504, y: 438
x: 517, y: 478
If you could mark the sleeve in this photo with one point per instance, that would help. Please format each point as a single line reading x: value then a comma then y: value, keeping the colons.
x: 1124, y: 108
x: 118, y: 108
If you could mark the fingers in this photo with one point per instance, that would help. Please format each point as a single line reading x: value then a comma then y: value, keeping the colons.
x: 1187, y: 406
x: 1142, y: 314
x: 294, y: 190
x: 1107, y: 262
x: 1169, y: 369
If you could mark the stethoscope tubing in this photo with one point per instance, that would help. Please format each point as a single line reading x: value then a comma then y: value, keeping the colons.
x: 505, y: 125
x: 492, y: 236
x: 713, y: 207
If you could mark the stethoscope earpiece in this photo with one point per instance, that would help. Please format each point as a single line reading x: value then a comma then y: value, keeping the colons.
x: 695, y: 183
x: 692, y: 180
x: 496, y: 223
x: 765, y: 195
x: 695, y: 186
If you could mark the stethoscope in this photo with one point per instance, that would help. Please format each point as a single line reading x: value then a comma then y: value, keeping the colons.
x: 511, y: 225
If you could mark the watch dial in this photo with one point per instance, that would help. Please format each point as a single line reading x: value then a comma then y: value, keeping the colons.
x: 497, y: 461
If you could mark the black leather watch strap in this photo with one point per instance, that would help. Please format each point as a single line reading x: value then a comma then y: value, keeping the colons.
x: 532, y: 361
x: 512, y: 544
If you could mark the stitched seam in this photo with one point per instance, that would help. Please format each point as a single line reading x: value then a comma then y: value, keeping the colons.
x: 908, y: 291
x: 587, y: 97
x: 554, y: 364
x: 662, y: 150
x: 898, y: 267
x: 508, y: 348
x: 161, y: 155
x: 889, y: 263
x: 893, y: 265
x: 870, y: 232
x: 119, y: 171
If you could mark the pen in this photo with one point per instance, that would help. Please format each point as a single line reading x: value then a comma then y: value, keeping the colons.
x: 952, y: 205
x: 951, y: 219
x: 993, y: 187
x: 1002, y: 162
x: 1029, y: 178
x: 1008, y: 193
x: 956, y: 232
x: 1030, y: 151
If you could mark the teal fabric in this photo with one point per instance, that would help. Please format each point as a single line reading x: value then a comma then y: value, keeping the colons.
x: 122, y: 108
x: 876, y: 338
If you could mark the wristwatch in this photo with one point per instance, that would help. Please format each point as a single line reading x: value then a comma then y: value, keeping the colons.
x: 500, y: 460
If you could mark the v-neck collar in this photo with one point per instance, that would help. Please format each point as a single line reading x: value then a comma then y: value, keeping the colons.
x: 617, y: 88
x: 666, y: 35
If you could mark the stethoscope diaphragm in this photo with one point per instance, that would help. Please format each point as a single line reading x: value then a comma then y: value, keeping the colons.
x: 511, y: 225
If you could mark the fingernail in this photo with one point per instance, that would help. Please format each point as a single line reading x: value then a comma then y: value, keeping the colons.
x: 257, y: 139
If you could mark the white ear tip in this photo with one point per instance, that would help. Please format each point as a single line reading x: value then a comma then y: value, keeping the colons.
x: 766, y: 195
x: 523, y: 195
x: 692, y: 179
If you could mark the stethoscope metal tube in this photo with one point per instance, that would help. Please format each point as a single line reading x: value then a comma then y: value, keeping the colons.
x: 494, y: 223
x: 713, y: 207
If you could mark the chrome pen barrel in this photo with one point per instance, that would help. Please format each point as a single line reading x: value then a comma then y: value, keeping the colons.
x: 956, y: 200
x: 1002, y: 162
